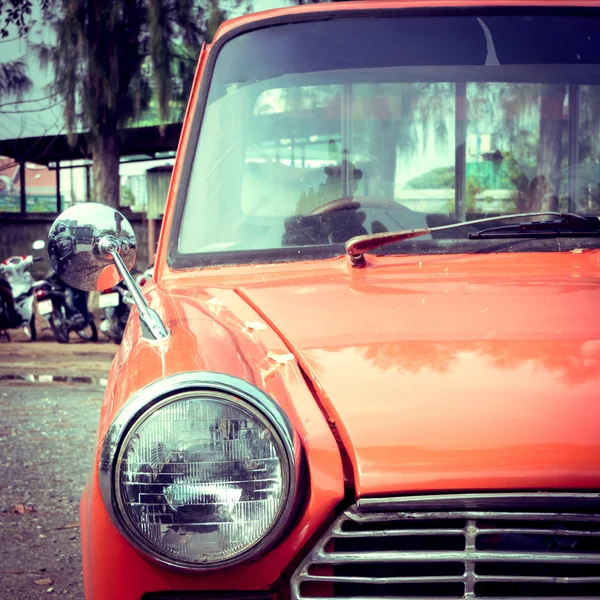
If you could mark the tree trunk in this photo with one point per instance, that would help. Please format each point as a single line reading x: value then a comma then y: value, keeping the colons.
x: 106, y: 169
x: 550, y: 151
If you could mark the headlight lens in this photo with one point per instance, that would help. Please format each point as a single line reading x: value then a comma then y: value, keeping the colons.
x: 201, y: 478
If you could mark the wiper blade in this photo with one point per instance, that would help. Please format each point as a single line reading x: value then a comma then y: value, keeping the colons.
x: 566, y: 225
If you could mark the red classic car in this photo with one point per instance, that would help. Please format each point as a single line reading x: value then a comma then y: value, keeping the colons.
x: 368, y: 364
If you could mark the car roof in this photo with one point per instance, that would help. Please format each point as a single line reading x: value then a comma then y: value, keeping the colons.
x: 369, y: 5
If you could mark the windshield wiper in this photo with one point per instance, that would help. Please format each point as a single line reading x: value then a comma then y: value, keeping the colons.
x: 565, y: 225
x: 568, y: 225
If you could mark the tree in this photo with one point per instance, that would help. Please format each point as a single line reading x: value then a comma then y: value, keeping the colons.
x: 15, y: 15
x: 111, y: 58
x: 13, y: 80
x: 115, y: 58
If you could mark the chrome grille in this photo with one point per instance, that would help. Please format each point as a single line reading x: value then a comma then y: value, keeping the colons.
x: 471, y: 546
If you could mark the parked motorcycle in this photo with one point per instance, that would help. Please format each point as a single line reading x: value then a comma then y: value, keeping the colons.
x: 117, y: 302
x: 16, y: 293
x: 65, y: 308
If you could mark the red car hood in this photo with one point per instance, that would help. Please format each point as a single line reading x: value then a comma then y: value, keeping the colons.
x: 453, y: 372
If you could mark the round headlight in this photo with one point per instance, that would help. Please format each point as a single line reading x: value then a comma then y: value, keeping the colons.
x: 202, y: 479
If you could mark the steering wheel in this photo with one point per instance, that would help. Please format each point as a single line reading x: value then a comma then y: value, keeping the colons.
x: 352, y: 203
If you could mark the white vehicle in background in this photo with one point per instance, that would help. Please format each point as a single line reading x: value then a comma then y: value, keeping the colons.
x: 145, y: 277
x: 16, y: 293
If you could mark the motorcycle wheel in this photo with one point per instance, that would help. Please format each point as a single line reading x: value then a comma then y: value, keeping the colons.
x: 89, y: 333
x: 112, y: 326
x: 30, y: 330
x: 58, y: 324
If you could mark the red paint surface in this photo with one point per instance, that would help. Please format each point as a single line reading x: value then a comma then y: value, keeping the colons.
x: 212, y: 337
x: 441, y: 373
x: 457, y: 372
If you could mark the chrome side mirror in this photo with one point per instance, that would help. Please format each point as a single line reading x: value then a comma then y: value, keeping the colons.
x: 92, y: 247
x: 38, y: 245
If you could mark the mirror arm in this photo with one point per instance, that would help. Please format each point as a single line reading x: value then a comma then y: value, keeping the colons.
x: 151, y: 322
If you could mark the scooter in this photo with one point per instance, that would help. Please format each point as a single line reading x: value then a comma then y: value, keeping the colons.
x: 117, y: 302
x: 16, y: 294
x: 65, y: 309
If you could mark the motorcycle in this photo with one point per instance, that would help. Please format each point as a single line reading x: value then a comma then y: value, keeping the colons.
x: 65, y: 309
x: 117, y: 302
x: 16, y: 293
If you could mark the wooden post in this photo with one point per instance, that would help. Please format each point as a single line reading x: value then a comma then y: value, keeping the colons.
x: 22, y: 181
x: 88, y: 189
x: 58, y: 198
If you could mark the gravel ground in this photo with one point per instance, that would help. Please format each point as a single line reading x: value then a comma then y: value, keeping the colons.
x: 47, y: 433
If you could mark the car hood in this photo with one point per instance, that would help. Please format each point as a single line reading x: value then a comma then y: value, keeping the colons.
x: 452, y: 372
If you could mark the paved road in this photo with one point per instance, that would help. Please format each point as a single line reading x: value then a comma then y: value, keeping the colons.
x: 47, y: 433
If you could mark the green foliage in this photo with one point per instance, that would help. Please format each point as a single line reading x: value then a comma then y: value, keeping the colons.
x: 516, y: 175
x: 442, y: 177
x: 486, y: 174
x: 127, y: 196
x: 474, y: 187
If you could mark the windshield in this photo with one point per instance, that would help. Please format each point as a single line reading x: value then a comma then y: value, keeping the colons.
x: 316, y: 132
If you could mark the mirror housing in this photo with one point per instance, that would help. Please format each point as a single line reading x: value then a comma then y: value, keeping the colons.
x: 92, y: 247
x: 73, y: 246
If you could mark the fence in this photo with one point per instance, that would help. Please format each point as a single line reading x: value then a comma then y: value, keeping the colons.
x: 35, y: 203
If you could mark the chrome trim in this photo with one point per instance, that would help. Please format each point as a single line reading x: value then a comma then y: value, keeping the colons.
x: 481, y: 501
x: 469, y: 508
x: 152, y: 325
x: 169, y: 389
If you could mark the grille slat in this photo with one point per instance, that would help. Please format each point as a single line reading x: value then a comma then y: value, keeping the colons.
x: 388, y: 597
x: 505, y: 548
x: 472, y: 514
x: 398, y: 533
x: 534, y: 579
x: 441, y: 579
x: 475, y: 556
x: 518, y: 531
x: 381, y: 580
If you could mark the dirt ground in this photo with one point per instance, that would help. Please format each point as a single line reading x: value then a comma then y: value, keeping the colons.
x: 46, y: 356
x: 47, y: 434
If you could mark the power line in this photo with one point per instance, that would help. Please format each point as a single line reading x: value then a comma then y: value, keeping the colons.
x: 29, y: 110
x: 29, y: 101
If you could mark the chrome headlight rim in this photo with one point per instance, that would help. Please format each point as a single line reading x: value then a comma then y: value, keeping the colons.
x: 211, y: 385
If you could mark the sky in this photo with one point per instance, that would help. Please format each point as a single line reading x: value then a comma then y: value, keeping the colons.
x: 41, y: 118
